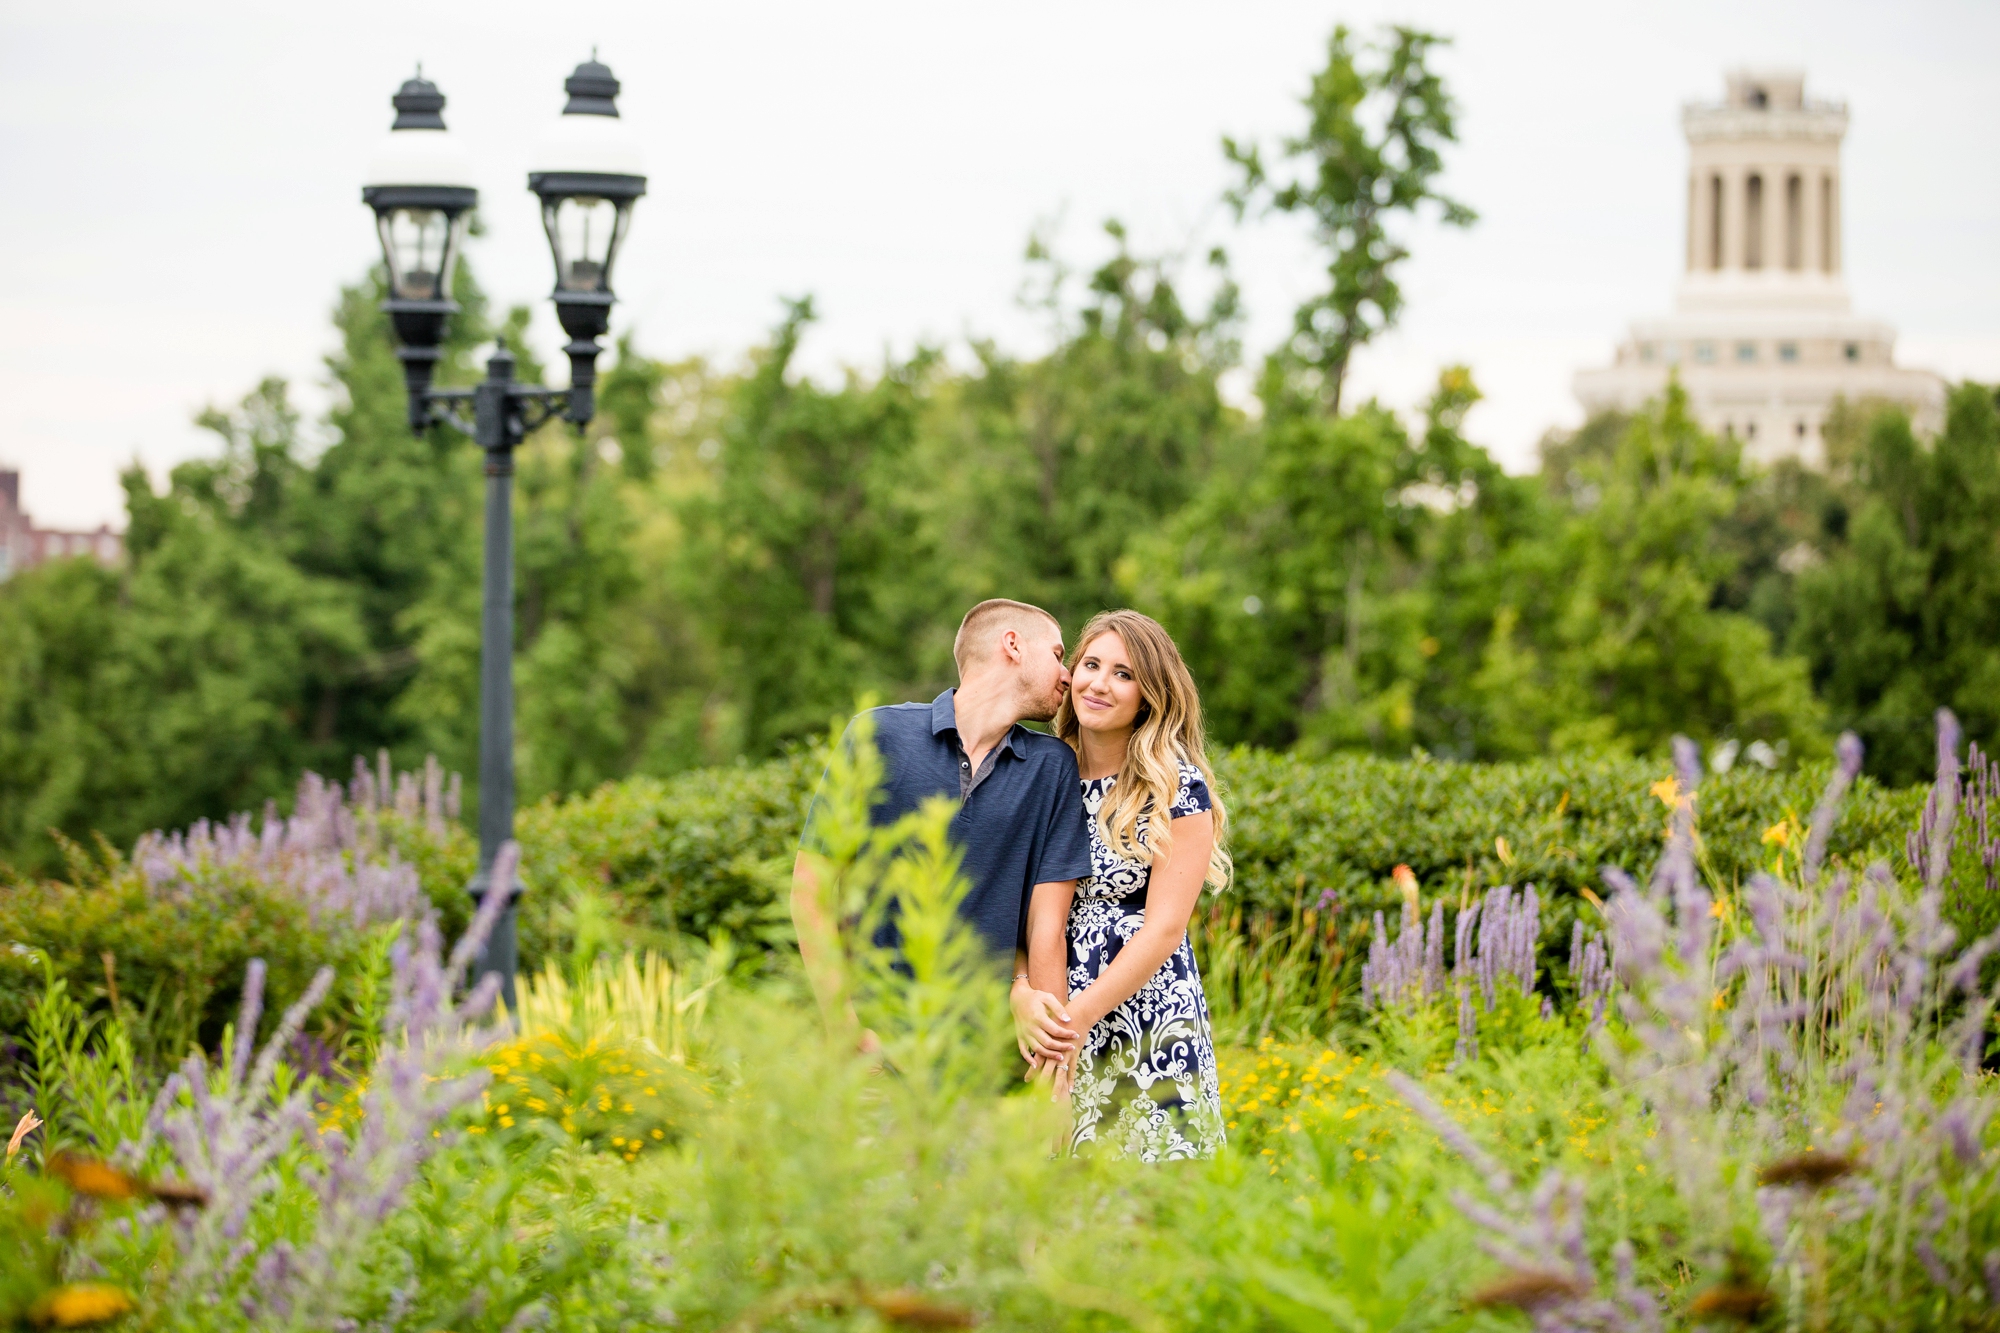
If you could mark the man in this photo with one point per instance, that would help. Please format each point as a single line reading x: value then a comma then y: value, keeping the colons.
x: 1020, y: 827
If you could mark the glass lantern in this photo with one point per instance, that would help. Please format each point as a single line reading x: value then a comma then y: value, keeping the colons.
x: 588, y: 173
x: 420, y: 245
x: 420, y: 186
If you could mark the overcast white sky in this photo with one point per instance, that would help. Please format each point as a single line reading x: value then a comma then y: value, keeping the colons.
x: 183, y: 181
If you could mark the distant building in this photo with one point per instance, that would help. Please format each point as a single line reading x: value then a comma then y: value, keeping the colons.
x: 23, y: 545
x: 1763, y: 335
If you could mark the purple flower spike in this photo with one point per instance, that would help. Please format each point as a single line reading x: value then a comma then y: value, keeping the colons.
x: 330, y: 854
x: 246, y: 1020
x: 228, y: 1137
x: 1847, y: 752
x: 1687, y: 763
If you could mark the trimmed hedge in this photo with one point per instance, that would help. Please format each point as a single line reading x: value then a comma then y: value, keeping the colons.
x: 1300, y: 827
x: 704, y: 851
x: 713, y: 849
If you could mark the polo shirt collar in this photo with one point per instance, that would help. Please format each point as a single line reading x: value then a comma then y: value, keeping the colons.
x: 944, y: 717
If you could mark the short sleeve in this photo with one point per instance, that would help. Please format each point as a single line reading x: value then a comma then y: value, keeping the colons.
x: 1066, y: 848
x: 811, y: 836
x: 1192, y: 798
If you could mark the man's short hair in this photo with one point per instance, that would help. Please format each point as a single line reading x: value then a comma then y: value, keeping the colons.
x: 990, y: 617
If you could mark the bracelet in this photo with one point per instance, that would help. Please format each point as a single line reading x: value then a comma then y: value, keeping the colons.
x: 1020, y: 976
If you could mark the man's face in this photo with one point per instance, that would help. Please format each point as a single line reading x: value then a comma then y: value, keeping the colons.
x: 1044, y: 679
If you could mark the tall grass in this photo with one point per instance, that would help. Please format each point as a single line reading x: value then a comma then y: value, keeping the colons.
x: 1269, y: 976
x: 638, y: 998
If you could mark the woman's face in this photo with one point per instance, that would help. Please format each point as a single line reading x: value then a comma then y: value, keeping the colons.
x: 1103, y: 688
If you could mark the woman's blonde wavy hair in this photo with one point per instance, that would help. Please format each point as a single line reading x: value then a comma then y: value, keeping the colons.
x: 1167, y: 732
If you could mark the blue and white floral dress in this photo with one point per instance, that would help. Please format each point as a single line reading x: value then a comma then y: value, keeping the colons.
x: 1146, y: 1084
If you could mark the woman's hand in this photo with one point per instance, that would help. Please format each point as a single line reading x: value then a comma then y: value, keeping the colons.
x: 1085, y: 1012
x: 1041, y: 1026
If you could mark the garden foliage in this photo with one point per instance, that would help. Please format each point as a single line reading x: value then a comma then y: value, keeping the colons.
x: 1781, y: 1110
x: 1761, y: 1095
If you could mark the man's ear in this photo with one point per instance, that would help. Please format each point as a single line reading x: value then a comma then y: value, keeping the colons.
x: 1010, y: 645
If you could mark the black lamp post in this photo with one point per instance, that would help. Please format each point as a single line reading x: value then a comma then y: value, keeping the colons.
x: 587, y: 174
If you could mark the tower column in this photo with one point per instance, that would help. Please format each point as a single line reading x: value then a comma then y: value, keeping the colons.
x: 1732, y: 218
x: 1809, y: 224
x: 1693, y: 221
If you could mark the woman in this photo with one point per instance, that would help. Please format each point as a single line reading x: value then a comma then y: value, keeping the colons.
x: 1142, y: 1080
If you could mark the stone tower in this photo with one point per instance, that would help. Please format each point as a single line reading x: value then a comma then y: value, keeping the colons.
x: 1763, y: 335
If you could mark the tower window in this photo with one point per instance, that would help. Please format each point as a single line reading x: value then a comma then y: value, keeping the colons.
x: 1704, y: 353
x: 1746, y: 351
x: 1788, y: 351
x: 1645, y: 351
x: 1802, y: 430
x: 1852, y: 351
x: 1826, y: 230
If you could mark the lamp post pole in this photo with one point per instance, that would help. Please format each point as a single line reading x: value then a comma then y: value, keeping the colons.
x: 587, y: 178
x: 495, y: 417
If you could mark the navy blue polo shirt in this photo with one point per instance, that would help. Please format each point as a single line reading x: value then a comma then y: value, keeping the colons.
x: 1020, y: 820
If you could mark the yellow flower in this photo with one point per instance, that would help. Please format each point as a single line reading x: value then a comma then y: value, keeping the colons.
x: 1668, y: 789
x: 80, y: 1303
x: 1720, y: 909
x: 1779, y: 834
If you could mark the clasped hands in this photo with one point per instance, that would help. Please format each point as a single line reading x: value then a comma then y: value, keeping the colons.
x: 1048, y: 1037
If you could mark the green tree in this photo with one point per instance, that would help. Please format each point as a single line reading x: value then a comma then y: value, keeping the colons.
x: 1478, y: 550
x: 1903, y: 615
x: 1615, y: 638
x: 1046, y: 469
x: 807, y: 554
x: 1289, y: 581
x: 393, y: 515
x: 1352, y: 182
x: 188, y: 685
